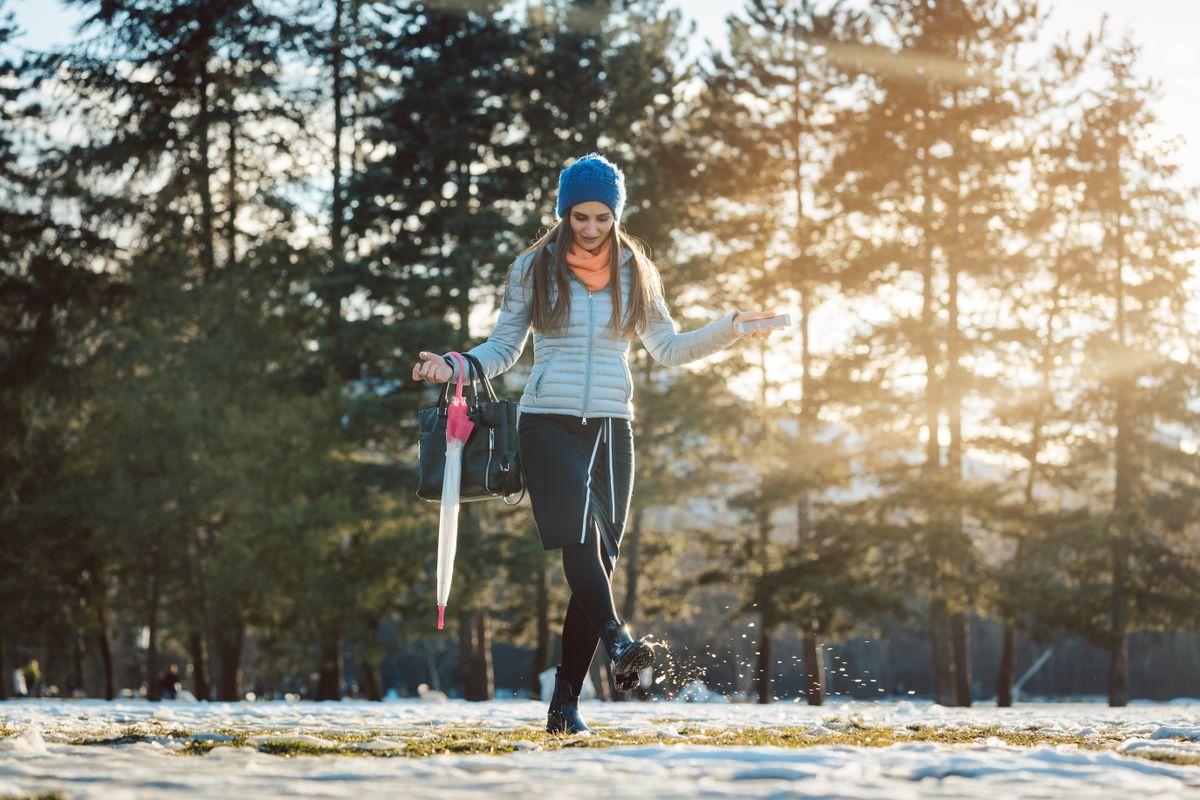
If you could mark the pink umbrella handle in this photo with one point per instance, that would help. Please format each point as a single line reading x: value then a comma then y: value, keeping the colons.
x: 458, y: 423
x: 441, y: 616
x: 462, y: 366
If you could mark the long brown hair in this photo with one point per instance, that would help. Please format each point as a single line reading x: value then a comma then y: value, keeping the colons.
x: 551, y: 265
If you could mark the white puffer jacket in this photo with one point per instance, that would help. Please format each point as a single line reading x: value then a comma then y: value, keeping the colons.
x: 583, y: 371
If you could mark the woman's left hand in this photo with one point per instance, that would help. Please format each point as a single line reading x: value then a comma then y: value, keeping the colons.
x: 747, y: 316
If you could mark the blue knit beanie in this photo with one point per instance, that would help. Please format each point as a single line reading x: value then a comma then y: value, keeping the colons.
x: 592, y: 177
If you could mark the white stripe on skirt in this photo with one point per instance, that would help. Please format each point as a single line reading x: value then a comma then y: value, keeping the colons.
x: 612, y: 486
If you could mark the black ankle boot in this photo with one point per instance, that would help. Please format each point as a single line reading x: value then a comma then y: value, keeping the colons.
x: 563, y: 716
x: 628, y: 656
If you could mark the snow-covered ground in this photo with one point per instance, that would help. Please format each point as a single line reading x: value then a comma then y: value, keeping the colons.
x: 132, y: 749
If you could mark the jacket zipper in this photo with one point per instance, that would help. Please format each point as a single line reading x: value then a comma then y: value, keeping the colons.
x: 587, y: 385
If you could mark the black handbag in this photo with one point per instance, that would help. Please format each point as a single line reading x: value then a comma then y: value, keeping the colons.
x: 491, y: 461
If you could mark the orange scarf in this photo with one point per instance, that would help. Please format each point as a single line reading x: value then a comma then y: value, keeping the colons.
x: 594, y: 269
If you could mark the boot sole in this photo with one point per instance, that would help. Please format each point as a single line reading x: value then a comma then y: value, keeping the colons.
x: 629, y: 683
x: 625, y: 672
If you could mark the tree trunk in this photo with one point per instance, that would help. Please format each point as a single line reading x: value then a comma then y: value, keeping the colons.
x: 1008, y: 658
x: 203, y: 166
x: 1121, y: 525
x: 229, y: 661
x: 198, y: 621
x: 814, y: 670
x: 485, y: 682
x: 106, y: 661
x: 52, y: 664
x: 933, y: 451
x: 463, y: 269
x: 1118, y: 665
x: 466, y: 657
x: 199, y: 686
x: 5, y: 672
x: 765, y: 676
x: 943, y: 679
x: 960, y: 634
x: 78, y: 651
x: 368, y: 674
x: 332, y: 293
x: 338, y: 203
x: 943, y: 664
x: 631, y: 553
x: 152, y: 689
x: 212, y: 652
x: 475, y: 656
x: 541, y: 650
x: 128, y: 642
x: 329, y: 678
x: 232, y: 191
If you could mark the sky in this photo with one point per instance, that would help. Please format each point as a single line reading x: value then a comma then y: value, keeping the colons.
x: 1166, y: 29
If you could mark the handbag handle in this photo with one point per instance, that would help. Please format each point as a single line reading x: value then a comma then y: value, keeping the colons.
x: 476, y: 367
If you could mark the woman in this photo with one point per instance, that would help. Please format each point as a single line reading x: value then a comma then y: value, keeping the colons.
x: 586, y: 289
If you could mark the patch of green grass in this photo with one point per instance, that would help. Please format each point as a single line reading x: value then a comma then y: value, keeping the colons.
x: 464, y: 740
x: 139, y: 732
x: 288, y: 749
x: 200, y: 748
x: 858, y: 734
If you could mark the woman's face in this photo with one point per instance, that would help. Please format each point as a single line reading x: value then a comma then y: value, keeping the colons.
x: 591, y: 223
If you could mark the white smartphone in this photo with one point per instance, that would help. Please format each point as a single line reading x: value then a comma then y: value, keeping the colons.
x: 777, y: 321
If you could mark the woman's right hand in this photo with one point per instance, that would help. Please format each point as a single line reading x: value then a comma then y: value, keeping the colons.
x: 432, y: 368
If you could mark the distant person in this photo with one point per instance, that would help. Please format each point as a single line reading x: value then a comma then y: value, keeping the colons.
x: 586, y: 288
x: 33, y: 678
x: 168, y: 683
x: 19, y: 687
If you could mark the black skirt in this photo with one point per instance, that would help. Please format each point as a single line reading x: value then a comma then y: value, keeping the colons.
x: 579, y: 477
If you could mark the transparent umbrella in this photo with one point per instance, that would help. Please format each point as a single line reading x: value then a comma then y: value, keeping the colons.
x: 458, y: 428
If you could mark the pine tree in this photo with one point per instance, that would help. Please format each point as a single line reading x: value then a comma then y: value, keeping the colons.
x: 215, y: 298
x: 1140, y: 372
x: 774, y: 128
x: 54, y: 309
x: 1037, y: 386
x: 925, y: 174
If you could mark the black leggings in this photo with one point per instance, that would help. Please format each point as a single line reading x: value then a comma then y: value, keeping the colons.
x: 590, y: 607
x: 580, y: 480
